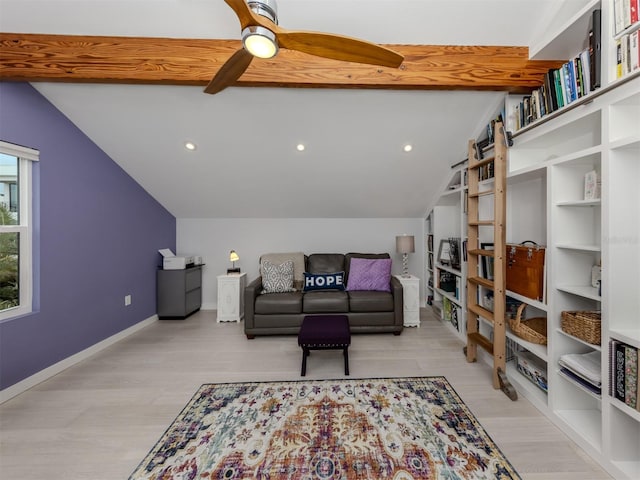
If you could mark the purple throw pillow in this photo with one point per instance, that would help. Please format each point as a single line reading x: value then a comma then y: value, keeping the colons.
x: 370, y: 274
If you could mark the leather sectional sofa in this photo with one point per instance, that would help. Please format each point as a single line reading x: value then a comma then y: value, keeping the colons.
x: 282, y: 313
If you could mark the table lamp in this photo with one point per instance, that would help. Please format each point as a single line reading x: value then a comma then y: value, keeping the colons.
x: 405, y: 245
x: 233, y: 258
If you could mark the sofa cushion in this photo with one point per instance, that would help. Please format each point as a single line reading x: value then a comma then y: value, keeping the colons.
x: 279, y: 303
x: 325, y: 263
x: 323, y: 281
x: 370, y: 301
x: 298, y: 265
x: 277, y: 278
x: 370, y: 274
x: 350, y: 255
x: 325, y: 301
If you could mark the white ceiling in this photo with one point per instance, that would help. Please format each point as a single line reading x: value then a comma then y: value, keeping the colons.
x: 246, y: 163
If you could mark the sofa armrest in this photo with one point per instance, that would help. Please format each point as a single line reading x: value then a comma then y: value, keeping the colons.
x: 398, y: 301
x: 251, y: 292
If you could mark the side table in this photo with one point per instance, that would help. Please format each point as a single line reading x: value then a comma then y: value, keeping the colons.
x: 231, y: 297
x: 411, y: 300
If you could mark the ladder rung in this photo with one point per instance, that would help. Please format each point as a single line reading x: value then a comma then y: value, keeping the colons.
x: 481, y: 222
x: 480, y: 194
x: 483, y: 312
x: 481, y: 281
x: 481, y: 163
x: 481, y: 340
x: 484, y: 253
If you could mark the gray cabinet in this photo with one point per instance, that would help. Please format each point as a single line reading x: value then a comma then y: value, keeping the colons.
x: 179, y: 292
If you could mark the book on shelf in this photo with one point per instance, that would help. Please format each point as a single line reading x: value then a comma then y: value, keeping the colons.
x: 449, y: 312
x: 591, y: 185
x: 627, y: 54
x: 625, y: 14
x: 454, y: 316
x: 623, y: 373
x: 634, y: 51
x: 618, y: 17
x: 595, y: 48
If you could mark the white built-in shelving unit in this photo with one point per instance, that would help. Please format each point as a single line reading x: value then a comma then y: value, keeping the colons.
x: 448, y: 220
x: 553, y: 158
x: 600, y: 132
x: 545, y: 203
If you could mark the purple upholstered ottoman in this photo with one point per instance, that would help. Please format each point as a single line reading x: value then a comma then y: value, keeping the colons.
x: 325, y: 332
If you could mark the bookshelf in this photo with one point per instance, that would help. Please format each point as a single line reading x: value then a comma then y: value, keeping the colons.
x: 429, y: 260
x: 546, y: 203
x: 573, y: 36
x: 446, y: 221
x: 547, y: 165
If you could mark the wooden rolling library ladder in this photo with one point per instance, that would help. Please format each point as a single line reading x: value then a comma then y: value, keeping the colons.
x: 477, y: 168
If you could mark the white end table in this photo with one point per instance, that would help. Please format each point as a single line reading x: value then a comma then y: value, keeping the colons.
x: 411, y: 300
x: 231, y: 297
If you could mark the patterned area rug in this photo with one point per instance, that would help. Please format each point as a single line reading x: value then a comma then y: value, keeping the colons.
x: 397, y: 429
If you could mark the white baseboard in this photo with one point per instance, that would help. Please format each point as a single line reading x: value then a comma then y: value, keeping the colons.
x: 24, y: 385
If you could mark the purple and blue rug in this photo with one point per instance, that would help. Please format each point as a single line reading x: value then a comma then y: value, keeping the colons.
x: 396, y: 429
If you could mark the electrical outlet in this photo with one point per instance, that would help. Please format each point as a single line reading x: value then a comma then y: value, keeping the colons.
x: 127, y: 300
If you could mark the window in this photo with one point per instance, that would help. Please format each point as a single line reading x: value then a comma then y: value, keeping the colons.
x: 16, y: 272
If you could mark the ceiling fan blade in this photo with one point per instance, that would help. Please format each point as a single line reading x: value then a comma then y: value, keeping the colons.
x: 337, y: 47
x: 244, y: 13
x: 231, y: 71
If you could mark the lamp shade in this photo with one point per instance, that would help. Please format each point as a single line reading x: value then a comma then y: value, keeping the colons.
x: 405, y: 244
x: 233, y: 256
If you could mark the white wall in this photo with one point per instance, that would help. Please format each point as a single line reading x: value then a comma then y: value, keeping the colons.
x: 213, y: 238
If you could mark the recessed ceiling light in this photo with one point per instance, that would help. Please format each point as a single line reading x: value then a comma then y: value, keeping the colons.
x: 408, y: 147
x: 190, y: 146
x: 300, y: 147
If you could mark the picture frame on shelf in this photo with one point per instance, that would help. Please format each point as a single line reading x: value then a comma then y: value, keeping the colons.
x: 444, y: 254
x: 454, y: 253
x: 487, y: 262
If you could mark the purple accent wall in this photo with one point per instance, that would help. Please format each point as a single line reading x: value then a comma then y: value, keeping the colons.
x: 97, y: 238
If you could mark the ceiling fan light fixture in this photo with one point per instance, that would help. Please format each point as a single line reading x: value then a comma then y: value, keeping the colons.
x: 260, y: 42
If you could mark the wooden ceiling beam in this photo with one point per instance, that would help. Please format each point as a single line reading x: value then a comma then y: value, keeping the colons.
x: 172, y: 61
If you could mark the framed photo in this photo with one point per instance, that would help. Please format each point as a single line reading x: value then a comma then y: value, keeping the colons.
x: 454, y: 253
x: 444, y: 253
x: 487, y: 262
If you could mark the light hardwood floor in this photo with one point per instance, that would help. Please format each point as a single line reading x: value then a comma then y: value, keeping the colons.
x: 99, y: 418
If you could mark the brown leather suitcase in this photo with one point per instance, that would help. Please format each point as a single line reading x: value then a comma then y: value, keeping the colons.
x: 525, y: 269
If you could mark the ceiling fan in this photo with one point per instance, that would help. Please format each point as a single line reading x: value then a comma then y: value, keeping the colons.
x: 262, y: 37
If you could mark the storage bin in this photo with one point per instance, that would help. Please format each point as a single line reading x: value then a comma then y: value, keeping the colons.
x: 533, y: 368
x: 532, y: 330
x: 584, y: 325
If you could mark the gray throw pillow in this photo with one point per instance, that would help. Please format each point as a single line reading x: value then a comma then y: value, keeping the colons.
x: 277, y: 278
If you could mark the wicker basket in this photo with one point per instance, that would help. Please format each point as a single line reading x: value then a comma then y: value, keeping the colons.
x: 532, y: 330
x: 583, y: 325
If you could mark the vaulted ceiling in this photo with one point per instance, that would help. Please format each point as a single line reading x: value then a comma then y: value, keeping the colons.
x: 140, y: 102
